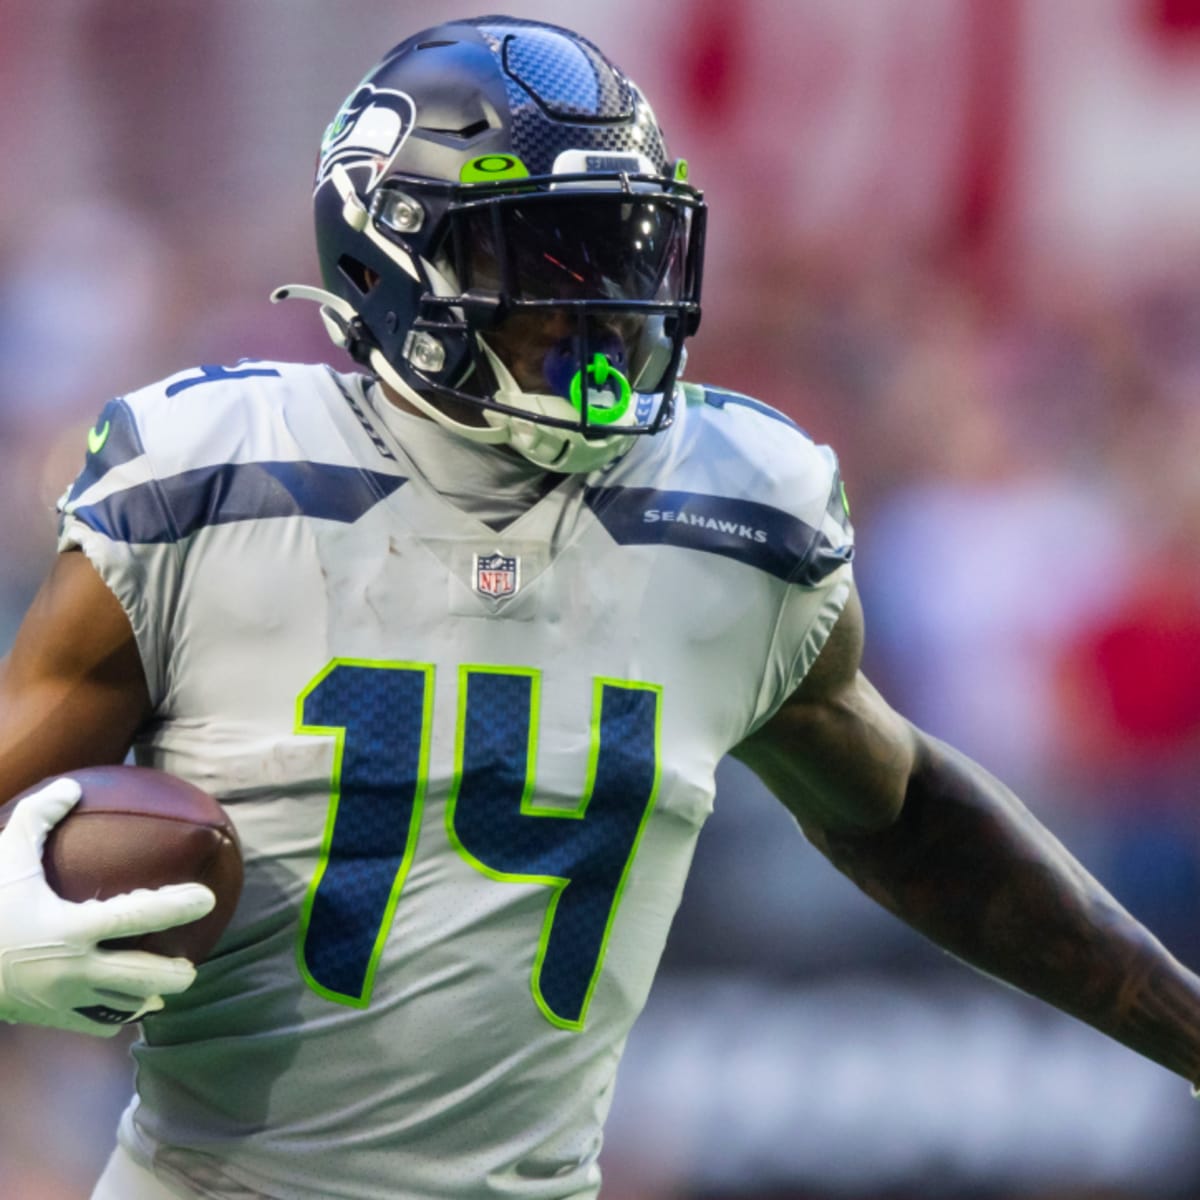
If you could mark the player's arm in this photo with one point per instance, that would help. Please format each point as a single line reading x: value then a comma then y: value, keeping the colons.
x: 941, y: 843
x: 72, y: 694
x: 72, y: 689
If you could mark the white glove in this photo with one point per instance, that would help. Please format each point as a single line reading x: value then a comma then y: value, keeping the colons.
x: 51, y: 972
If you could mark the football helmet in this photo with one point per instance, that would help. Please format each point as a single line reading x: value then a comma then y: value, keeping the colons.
x: 505, y: 243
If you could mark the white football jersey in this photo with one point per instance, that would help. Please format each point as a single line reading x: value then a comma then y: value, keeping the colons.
x: 467, y: 767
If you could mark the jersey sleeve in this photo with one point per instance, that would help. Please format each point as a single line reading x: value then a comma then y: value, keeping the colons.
x: 116, y: 513
x: 816, y: 593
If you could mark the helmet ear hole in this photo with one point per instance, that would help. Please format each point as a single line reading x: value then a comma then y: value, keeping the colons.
x: 362, y: 277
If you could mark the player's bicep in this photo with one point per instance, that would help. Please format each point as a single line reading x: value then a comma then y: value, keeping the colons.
x: 836, y: 753
x: 72, y: 688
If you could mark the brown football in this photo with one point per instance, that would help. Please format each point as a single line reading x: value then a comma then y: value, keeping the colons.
x: 136, y: 827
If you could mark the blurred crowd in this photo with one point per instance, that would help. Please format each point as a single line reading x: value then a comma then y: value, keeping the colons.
x: 1018, y: 433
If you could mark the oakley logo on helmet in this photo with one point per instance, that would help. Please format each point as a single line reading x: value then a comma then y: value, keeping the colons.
x: 369, y: 129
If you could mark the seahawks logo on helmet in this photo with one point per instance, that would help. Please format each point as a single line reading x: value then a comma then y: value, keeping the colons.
x: 369, y: 130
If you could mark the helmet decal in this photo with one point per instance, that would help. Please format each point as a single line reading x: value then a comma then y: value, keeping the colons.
x: 370, y: 129
x: 587, y: 162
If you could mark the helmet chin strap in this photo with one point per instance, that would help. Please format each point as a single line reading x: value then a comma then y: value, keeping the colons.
x: 546, y: 446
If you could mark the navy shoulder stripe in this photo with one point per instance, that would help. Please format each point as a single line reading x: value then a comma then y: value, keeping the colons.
x: 113, y: 440
x: 212, y: 373
x: 719, y: 398
x: 747, y: 531
x: 171, y: 509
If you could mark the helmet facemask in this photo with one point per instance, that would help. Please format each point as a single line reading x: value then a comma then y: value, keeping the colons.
x: 563, y: 305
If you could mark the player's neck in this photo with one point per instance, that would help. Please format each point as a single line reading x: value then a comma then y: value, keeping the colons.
x: 467, y: 414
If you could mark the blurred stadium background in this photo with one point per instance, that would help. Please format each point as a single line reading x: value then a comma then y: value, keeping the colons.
x: 960, y: 240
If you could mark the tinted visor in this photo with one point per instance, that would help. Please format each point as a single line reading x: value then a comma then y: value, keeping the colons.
x: 562, y: 247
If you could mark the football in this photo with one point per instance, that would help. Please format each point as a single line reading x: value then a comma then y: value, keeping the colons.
x: 135, y: 827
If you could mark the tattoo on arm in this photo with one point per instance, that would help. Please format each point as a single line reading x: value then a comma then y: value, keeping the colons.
x: 968, y: 865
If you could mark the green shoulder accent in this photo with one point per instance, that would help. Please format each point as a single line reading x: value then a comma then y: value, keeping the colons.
x: 97, y: 437
x: 693, y: 393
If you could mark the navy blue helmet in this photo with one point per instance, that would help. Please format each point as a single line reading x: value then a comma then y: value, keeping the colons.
x: 505, y: 242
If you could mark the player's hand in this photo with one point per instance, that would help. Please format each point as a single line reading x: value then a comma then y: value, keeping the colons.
x: 51, y: 971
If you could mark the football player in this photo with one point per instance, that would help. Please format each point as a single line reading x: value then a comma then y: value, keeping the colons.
x: 459, y: 639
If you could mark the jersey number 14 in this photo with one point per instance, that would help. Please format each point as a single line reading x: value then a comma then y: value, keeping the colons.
x: 380, y: 715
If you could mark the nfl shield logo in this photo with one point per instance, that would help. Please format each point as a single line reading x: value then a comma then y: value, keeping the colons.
x: 497, y: 575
